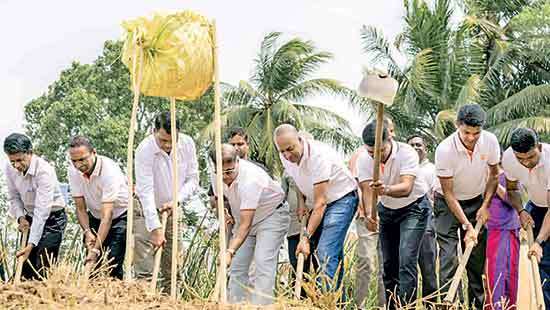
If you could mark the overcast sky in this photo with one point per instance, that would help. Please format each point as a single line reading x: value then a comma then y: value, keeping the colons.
x: 41, y: 38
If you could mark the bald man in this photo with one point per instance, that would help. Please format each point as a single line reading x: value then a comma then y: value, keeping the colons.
x: 322, y: 178
x: 261, y: 222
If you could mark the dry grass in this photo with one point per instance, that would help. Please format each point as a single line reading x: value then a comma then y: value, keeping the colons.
x: 63, y: 290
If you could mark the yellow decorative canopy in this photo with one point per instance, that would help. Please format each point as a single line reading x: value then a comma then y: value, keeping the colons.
x: 177, y: 51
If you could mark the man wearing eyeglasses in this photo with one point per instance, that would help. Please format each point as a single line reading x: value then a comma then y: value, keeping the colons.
x: 153, y: 167
x: 100, y: 193
x: 321, y: 177
x: 36, y: 203
x: 261, y: 223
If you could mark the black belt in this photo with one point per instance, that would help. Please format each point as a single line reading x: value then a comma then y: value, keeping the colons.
x: 352, y: 193
x: 440, y: 196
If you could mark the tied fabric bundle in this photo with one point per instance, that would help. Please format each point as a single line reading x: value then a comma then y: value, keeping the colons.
x: 177, y: 54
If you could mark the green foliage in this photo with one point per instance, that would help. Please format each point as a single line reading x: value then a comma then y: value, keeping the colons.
x: 280, y: 83
x: 495, y: 56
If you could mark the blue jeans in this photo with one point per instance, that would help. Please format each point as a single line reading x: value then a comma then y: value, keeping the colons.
x: 401, y: 233
x: 327, y: 243
x: 538, y: 213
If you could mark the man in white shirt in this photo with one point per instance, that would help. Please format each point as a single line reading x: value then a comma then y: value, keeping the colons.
x: 463, y: 196
x: 527, y: 161
x: 321, y: 177
x: 261, y: 223
x: 100, y: 192
x: 153, y: 166
x: 367, y: 251
x: 36, y: 203
x: 238, y: 138
x: 403, y: 211
x: 428, y: 248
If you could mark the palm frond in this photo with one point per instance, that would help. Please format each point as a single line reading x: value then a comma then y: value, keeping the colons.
x: 503, y: 131
x: 470, y: 92
x: 528, y: 102
x: 323, y: 115
x: 445, y: 123
x: 379, y: 48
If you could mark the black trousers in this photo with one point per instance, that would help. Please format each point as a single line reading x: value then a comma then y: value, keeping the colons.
x: 447, y: 236
x: 47, y: 250
x: 114, y: 245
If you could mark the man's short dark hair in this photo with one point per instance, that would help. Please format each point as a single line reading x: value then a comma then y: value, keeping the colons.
x: 523, y: 140
x: 78, y: 141
x: 471, y: 115
x: 238, y: 131
x: 163, y: 120
x: 415, y: 136
x: 17, y: 143
x: 369, y: 134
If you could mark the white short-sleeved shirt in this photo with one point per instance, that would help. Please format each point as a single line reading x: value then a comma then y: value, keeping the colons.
x: 252, y: 189
x: 426, y: 171
x: 35, y: 193
x: 320, y: 163
x: 106, y: 184
x: 536, y: 180
x: 403, y: 160
x: 468, y: 169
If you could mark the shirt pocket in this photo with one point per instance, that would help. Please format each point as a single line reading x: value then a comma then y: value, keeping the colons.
x: 29, y: 196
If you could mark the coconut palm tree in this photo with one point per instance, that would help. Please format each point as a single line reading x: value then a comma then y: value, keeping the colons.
x: 280, y: 83
x: 476, y: 60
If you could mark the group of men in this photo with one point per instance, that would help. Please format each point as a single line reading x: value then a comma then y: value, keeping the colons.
x: 420, y: 204
x: 100, y: 192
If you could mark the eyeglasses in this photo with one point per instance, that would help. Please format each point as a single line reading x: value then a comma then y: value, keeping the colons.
x: 229, y: 172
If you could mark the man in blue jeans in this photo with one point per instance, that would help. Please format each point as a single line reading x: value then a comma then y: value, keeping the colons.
x: 322, y: 178
x: 527, y: 161
x: 403, y: 209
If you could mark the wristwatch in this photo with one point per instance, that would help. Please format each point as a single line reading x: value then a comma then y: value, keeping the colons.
x: 306, y: 234
x: 465, y: 226
x: 539, y: 242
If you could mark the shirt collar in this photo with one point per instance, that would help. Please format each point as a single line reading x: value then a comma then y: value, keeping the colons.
x: 394, y: 150
x: 544, y: 155
x: 97, y: 168
x: 460, y: 146
x: 239, y: 175
x: 158, y: 150
x: 33, y: 166
x: 307, y: 150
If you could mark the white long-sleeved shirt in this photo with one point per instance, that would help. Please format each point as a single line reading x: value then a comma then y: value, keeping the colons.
x: 35, y: 193
x: 153, y: 169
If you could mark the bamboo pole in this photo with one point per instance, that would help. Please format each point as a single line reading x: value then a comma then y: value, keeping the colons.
x: 301, y: 261
x: 461, y: 267
x: 136, y: 83
x: 175, y: 233
x: 21, y: 260
x: 377, y: 156
x: 158, y: 255
x: 535, y: 275
x: 219, y: 183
